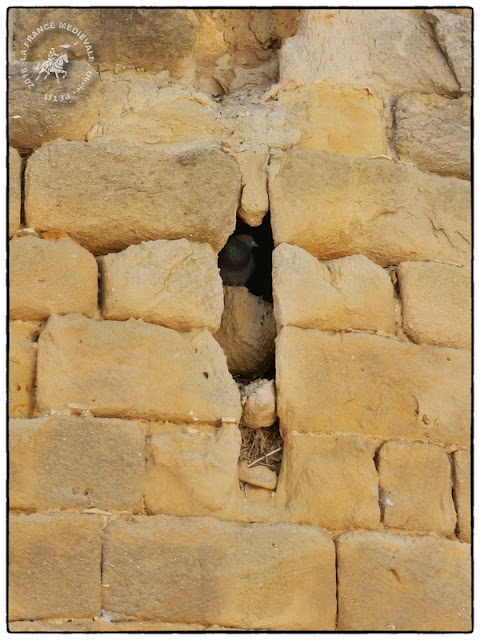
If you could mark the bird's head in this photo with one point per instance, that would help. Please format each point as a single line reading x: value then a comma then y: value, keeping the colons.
x: 247, y: 240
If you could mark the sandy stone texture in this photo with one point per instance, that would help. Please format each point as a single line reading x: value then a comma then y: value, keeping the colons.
x: 402, y: 583
x: 54, y: 564
x: 51, y: 276
x: 350, y: 292
x: 259, y: 404
x: 437, y: 303
x: 463, y: 497
x: 146, y: 193
x: 76, y: 462
x: 101, y: 625
x: 22, y: 365
x: 14, y: 190
x: 371, y: 385
x: 334, y: 207
x: 271, y: 583
x: 257, y: 476
x: 254, y: 203
x: 173, y: 283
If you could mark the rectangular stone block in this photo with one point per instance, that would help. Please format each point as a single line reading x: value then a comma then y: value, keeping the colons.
x: 14, y: 190
x: 389, y: 212
x: 76, y: 462
x: 370, y: 385
x: 403, y: 583
x: 416, y: 487
x: 54, y: 566
x: 204, y: 571
x: 330, y: 481
x: 463, y: 497
x: 22, y: 365
x: 147, y: 193
x: 350, y: 292
x: 437, y: 303
x: 133, y: 370
x: 51, y: 276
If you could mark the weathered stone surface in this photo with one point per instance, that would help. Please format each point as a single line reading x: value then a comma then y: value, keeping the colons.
x: 22, y: 364
x: 434, y: 133
x: 386, y: 51
x: 51, y: 276
x: 173, y: 283
x: 416, y: 487
x: 370, y: 385
x: 258, y: 476
x: 462, y: 487
x: 54, y: 566
x: 330, y: 481
x: 254, y: 203
x: 191, y: 471
x: 259, y: 404
x: 183, y: 569
x: 72, y: 462
x: 436, y: 301
x: 402, y: 583
x: 14, y: 190
x: 454, y: 35
x: 102, y: 625
x: 247, y: 332
x: 334, y: 206
x: 350, y: 292
x: 146, y: 193
x: 145, y: 371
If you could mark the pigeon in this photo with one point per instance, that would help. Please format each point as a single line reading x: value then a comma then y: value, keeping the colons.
x: 236, y: 260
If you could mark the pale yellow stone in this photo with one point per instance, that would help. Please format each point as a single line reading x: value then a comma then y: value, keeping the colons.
x: 201, y: 570
x: 102, y: 625
x: 259, y: 408
x: 22, y: 364
x: 14, y: 190
x: 416, y: 487
x: 402, y: 583
x: 462, y: 486
x: 254, y: 203
x: 258, y: 476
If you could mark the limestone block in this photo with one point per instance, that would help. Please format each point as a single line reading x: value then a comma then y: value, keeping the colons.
x: 454, y: 35
x: 54, y: 566
x: 402, y: 583
x: 173, y: 283
x: 370, y: 385
x: 191, y: 471
x: 350, y: 292
x: 247, y: 332
x: 437, y: 303
x: 259, y: 404
x: 206, y: 571
x: 338, y: 120
x: 334, y: 207
x: 146, y: 193
x: 254, y: 203
x: 22, y: 364
x: 258, y: 476
x: 386, y: 51
x: 101, y: 625
x: 14, y: 190
x: 330, y: 481
x: 416, y: 487
x: 76, y: 462
x: 146, y: 371
x: 51, y: 276
x: 462, y: 487
x: 434, y: 133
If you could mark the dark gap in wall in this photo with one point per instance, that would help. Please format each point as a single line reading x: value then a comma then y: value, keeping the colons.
x: 25, y: 156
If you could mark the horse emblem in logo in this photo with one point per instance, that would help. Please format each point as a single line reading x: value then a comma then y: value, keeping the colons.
x: 54, y: 64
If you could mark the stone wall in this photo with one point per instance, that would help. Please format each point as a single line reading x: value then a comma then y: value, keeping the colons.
x: 350, y: 131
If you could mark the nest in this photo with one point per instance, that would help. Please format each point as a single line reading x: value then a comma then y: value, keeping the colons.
x: 262, y: 447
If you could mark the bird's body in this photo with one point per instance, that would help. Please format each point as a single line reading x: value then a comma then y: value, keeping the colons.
x: 236, y: 260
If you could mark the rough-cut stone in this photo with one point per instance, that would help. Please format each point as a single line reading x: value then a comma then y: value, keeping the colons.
x: 22, y: 364
x: 173, y: 283
x: 436, y: 301
x: 146, y: 193
x: 259, y: 404
x: 254, y: 203
x: 350, y: 292
x: 54, y: 566
x: 434, y: 133
x: 330, y: 481
x: 103, y: 625
x: 258, y: 476
x: 191, y: 471
x: 416, y: 487
x: 402, y: 583
x: 14, y: 190
x: 51, y: 276
x: 334, y: 207
x: 247, y: 332
x: 462, y: 487
x: 133, y: 370
x: 72, y: 462
x: 386, y: 51
x: 183, y: 569
x: 370, y: 385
